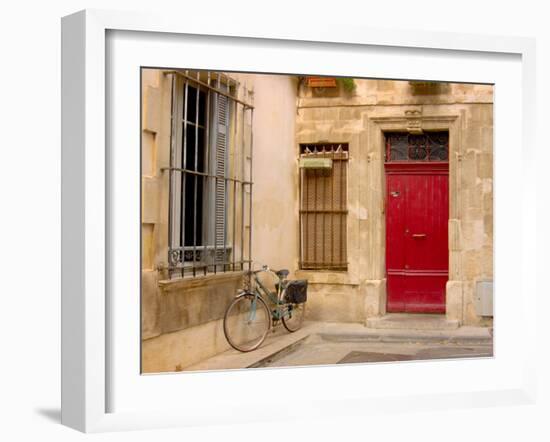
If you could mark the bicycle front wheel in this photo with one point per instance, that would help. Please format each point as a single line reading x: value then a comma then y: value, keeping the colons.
x: 293, y: 317
x: 246, y: 322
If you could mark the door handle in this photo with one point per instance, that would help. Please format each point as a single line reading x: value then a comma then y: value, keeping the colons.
x: 419, y: 235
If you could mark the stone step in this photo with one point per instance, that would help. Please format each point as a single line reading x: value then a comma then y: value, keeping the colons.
x: 411, y: 321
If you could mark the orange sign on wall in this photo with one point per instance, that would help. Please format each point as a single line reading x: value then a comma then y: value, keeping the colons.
x: 321, y: 81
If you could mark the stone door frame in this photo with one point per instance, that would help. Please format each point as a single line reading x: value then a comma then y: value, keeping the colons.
x: 411, y: 119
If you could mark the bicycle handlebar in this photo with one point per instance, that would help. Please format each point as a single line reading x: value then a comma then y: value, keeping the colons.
x: 265, y: 268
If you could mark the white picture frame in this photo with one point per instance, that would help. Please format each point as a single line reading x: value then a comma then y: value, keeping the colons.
x: 87, y: 203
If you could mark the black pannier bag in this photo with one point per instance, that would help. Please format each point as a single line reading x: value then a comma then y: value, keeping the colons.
x: 296, y: 291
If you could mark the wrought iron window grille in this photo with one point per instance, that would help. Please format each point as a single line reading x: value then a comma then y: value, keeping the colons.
x: 210, y: 175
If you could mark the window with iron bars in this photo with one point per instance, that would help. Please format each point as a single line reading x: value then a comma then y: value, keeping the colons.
x: 323, y: 208
x: 210, y: 175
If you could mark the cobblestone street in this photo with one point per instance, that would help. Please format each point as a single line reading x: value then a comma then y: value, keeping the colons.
x: 322, y: 350
x: 319, y: 343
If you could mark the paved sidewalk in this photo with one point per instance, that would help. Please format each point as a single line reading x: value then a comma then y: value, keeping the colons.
x: 320, y: 343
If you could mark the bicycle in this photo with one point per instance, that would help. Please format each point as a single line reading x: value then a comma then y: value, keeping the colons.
x: 248, y: 318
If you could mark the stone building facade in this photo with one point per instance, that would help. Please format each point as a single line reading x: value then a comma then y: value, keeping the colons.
x: 281, y: 116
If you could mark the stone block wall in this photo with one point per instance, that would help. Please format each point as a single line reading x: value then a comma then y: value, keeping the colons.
x: 360, y: 118
x: 182, y: 319
x: 155, y: 132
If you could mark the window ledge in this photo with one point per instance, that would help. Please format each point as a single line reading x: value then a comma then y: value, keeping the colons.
x: 327, y: 277
x: 190, y: 282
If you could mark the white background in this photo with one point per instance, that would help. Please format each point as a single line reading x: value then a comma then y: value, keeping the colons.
x: 206, y: 392
x: 30, y: 182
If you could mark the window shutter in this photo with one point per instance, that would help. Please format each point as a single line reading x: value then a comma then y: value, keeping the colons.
x: 324, y: 210
x: 220, y: 209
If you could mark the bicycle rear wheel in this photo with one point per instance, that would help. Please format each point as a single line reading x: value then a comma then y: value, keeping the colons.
x: 294, y: 316
x: 246, y: 322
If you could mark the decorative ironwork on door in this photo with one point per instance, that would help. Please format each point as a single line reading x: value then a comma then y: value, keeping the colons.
x: 429, y: 147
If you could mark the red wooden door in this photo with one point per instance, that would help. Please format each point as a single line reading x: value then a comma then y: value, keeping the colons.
x: 417, y: 256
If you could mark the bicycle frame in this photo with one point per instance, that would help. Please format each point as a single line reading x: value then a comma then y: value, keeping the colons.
x: 274, y: 297
x: 253, y: 300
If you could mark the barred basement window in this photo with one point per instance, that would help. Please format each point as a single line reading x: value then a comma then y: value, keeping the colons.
x: 210, y: 175
x: 323, y: 206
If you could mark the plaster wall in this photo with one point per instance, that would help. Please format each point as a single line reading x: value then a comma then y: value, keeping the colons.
x: 182, y: 317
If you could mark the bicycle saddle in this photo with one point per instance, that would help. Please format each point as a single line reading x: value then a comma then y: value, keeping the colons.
x: 283, y: 273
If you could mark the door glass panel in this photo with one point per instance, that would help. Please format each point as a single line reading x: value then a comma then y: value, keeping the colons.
x: 428, y: 147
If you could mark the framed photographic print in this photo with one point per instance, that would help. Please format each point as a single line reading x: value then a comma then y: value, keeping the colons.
x: 336, y: 214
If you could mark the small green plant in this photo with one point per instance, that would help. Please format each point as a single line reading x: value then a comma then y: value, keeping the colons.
x: 348, y: 84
